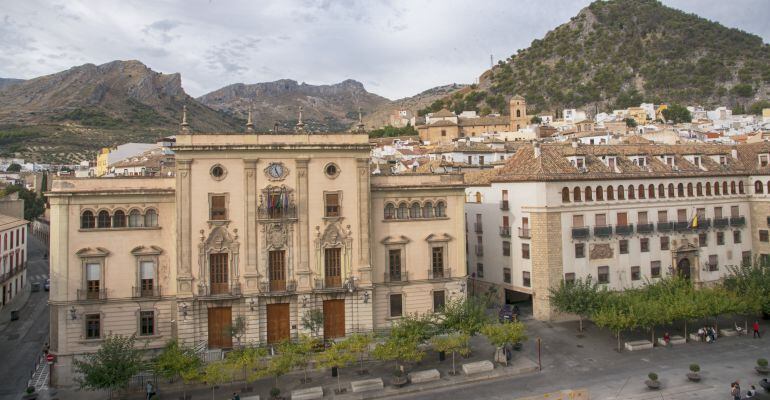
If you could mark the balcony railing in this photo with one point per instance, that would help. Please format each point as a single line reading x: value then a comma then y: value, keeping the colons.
x: 524, y: 233
x: 682, y: 226
x: 504, y: 205
x: 84, y: 294
x: 581, y: 232
x: 624, y: 230
x: 505, y: 231
x: 443, y: 273
x: 478, y: 228
x: 147, y: 292
x: 703, y: 224
x: 721, y: 222
x: 12, y: 272
x: 665, y: 226
x: 602, y: 230
x: 268, y: 213
x: 737, y: 221
x: 402, y: 276
x: 221, y: 289
x: 276, y: 286
x: 329, y: 282
x: 645, y: 228
x: 479, y: 250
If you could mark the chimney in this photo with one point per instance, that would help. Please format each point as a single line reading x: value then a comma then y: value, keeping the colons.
x: 734, y: 153
x: 575, y: 143
x: 536, y: 148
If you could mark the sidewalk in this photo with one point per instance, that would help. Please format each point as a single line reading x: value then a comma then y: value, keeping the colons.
x: 17, y: 303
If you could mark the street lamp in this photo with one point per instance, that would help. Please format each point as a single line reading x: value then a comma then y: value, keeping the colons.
x: 183, y: 309
x: 252, y: 304
x: 73, y: 313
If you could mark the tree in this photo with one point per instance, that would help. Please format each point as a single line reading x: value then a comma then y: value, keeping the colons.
x: 111, y: 367
x: 401, y: 349
x: 536, y: 120
x: 629, y: 98
x: 500, y: 334
x: 250, y: 360
x: 313, y: 320
x: 581, y: 297
x: 630, y: 123
x: 358, y: 344
x: 757, y: 107
x: 33, y: 205
x: 390, y: 131
x: 467, y: 315
x: 13, y: 168
x: 338, y: 355
x: 238, y: 329
x: 216, y: 373
x: 743, y: 90
x: 283, y: 361
x: 615, y: 317
x: 455, y: 343
x: 304, y: 352
x: 177, y: 361
x: 677, y: 114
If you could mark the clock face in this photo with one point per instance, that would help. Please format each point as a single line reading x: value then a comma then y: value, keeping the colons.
x: 276, y: 170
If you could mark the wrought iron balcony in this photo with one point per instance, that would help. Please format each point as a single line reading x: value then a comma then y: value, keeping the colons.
x: 278, y: 286
x: 645, y: 228
x: 443, y: 273
x: 624, y: 230
x: 703, y: 224
x: 737, y: 221
x: 478, y: 228
x: 504, y: 205
x: 479, y: 250
x: 581, y: 232
x: 682, y: 226
x: 721, y: 222
x: 220, y: 289
x: 85, y: 294
x: 602, y: 230
x: 397, y: 276
x: 665, y: 226
x: 277, y: 213
x: 147, y: 291
x: 329, y: 282
x: 505, y: 231
x: 524, y: 233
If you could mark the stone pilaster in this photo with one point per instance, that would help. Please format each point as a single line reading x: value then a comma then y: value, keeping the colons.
x: 303, y: 225
x: 547, y: 268
x: 364, y: 208
x: 184, y: 236
x: 250, y: 272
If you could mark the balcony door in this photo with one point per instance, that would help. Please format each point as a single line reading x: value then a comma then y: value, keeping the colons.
x: 220, y: 321
x: 394, y: 264
x: 333, y: 267
x: 277, y: 270
x: 218, y: 273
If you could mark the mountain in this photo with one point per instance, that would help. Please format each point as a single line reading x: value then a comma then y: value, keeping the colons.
x: 6, y: 82
x: 68, y: 115
x: 325, y: 107
x: 617, y: 53
x: 380, y: 116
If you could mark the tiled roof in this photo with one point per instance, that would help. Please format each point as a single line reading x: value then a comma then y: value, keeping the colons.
x: 442, y: 114
x: 484, y: 121
x: 442, y: 122
x: 8, y: 222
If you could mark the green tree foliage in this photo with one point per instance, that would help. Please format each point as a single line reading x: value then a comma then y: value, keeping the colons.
x: 752, y: 283
x: 677, y: 113
x: 454, y: 343
x: 583, y: 297
x: 283, y: 361
x: 433, y: 107
x: 401, y: 349
x: 743, y: 90
x: 757, y: 107
x: 250, y: 361
x: 631, y: 123
x: 464, y: 315
x: 338, y: 355
x: 536, y: 120
x: 304, y: 353
x: 110, y: 367
x: 629, y: 98
x: 216, y: 373
x: 34, y: 205
x: 390, y: 131
x: 176, y: 361
x: 358, y: 344
x: 500, y: 334
x: 13, y: 168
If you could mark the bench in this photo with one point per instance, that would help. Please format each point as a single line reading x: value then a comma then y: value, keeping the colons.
x: 478, y: 367
x: 367, y: 385
x: 424, y: 376
x: 308, y: 394
x: 728, y: 332
x: 638, y: 345
x: 694, y: 337
x: 675, y: 340
x: 255, y: 397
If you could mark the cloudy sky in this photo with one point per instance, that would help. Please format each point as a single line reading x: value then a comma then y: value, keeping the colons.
x: 396, y: 48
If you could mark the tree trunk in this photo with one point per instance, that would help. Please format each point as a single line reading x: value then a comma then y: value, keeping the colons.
x: 213, y: 393
x: 619, y: 349
x: 580, y: 321
x: 454, y: 372
x: 339, y: 386
x: 686, y: 338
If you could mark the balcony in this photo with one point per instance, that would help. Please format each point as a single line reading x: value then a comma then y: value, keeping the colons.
x: 12, y: 272
x: 721, y: 223
x: 581, y: 232
x: 147, y: 292
x: 478, y: 228
x: 479, y: 250
x: 505, y: 231
x: 278, y: 287
x: 737, y: 221
x: 602, y: 230
x: 703, y: 224
x: 665, y: 226
x: 524, y: 233
x: 504, y: 205
x: 682, y: 226
x: 329, y: 283
x: 84, y: 294
x: 220, y: 290
x: 645, y: 228
x: 396, y: 276
x: 442, y: 273
x: 624, y: 230
x: 274, y: 213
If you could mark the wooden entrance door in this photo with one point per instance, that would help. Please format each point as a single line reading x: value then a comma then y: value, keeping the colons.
x: 333, y: 268
x: 220, y: 321
x: 277, y: 322
x: 218, y: 273
x: 334, y: 319
x: 277, y: 271
x: 683, y: 268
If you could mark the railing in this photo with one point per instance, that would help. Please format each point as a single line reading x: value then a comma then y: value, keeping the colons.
x: 737, y: 221
x: 478, y: 227
x: 682, y: 226
x: 665, y: 226
x: 624, y: 230
x: 328, y: 282
x: 645, y: 228
x: 721, y: 222
x: 602, y: 230
x: 276, y: 286
x: 581, y: 232
x: 443, y: 273
x: 221, y: 289
x: 703, y: 224
x: 84, y: 294
x: 505, y: 231
x: 147, y: 292
x: 479, y: 250
x: 402, y: 276
x: 268, y: 213
x: 712, y: 267
x: 504, y: 205
x: 524, y: 233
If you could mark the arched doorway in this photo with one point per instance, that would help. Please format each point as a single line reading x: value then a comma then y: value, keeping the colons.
x: 683, y: 268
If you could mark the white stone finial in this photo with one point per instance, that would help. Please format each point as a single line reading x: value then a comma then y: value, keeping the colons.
x: 184, y: 125
x: 300, y: 124
x: 249, y: 122
x: 360, y: 121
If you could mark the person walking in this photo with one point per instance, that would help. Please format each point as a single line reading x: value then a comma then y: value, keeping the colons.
x: 735, y: 390
x: 756, y: 329
x: 236, y: 396
x: 150, y: 390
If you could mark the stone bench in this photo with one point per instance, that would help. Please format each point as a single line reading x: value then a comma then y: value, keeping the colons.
x: 308, y: 394
x: 694, y: 337
x: 424, y: 376
x: 478, y: 367
x: 728, y: 332
x: 675, y: 340
x: 255, y: 397
x: 366, y: 385
x: 638, y: 345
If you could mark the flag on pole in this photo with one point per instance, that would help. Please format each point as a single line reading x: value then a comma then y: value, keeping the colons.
x: 694, y: 222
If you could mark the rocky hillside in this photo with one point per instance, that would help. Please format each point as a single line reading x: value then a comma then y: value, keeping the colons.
x: 617, y: 53
x: 380, y: 117
x: 6, y: 82
x: 326, y: 107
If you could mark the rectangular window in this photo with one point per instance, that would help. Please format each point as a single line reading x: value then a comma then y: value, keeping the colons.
x: 577, y: 221
x: 218, y: 208
x: 580, y: 250
x: 734, y: 211
x: 439, y: 300
x: 623, y: 244
x: 664, y: 242
x: 481, y: 160
x: 604, y: 274
x: 703, y: 239
x: 396, y: 305
x: 601, y: 220
x: 218, y: 271
x: 717, y: 212
x: 701, y: 212
x: 641, y: 217
x: 93, y: 326
x: 681, y: 215
x: 569, y: 277
x: 622, y: 219
x: 437, y: 261
x: 736, y: 237
x: 480, y: 270
x: 763, y: 235
x: 525, y: 281
x: 93, y: 280
x: 713, y: 262
x: 332, y: 204
x: 720, y: 238
x: 146, y: 323
x: 147, y: 276
x: 636, y: 273
x: 507, y: 275
x: 506, y: 249
x: 655, y: 269
x: 333, y: 267
x: 525, y: 251
x: 764, y: 259
x: 505, y: 221
x: 746, y: 257
x: 644, y: 245
x: 663, y: 216
x: 394, y: 264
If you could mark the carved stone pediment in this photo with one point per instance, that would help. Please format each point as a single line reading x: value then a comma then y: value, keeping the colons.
x: 333, y: 235
x: 89, y: 252
x: 401, y: 239
x: 220, y: 239
x: 685, y: 246
x: 600, y: 251
x: 277, y: 236
x: 146, y: 251
x: 438, y: 237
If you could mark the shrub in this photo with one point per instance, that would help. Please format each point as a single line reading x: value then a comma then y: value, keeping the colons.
x: 653, y: 376
x: 275, y: 392
x: 762, y: 362
x: 30, y: 389
x: 694, y: 367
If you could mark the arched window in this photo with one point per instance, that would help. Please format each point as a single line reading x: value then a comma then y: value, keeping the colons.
x: 576, y: 194
x: 741, y: 190
x: 403, y: 212
x: 680, y: 190
x: 119, y: 219
x: 724, y: 188
x: 103, y: 219
x: 671, y: 190
x: 732, y: 187
x: 478, y: 197
x: 565, y: 195
x: 440, y: 209
x: 621, y: 193
x: 640, y: 191
x: 87, y: 220
x: 699, y: 189
x: 414, y: 210
x: 610, y: 193
x: 689, y: 190
x: 716, y: 188
x: 661, y: 191
x: 427, y: 210
x: 708, y: 188
x: 651, y: 191
x: 599, y: 193
x: 390, y: 211
x: 151, y: 218
x: 518, y: 113
x: 631, y: 193
x: 134, y: 218
x: 758, y: 187
x: 589, y: 194
x: 768, y: 187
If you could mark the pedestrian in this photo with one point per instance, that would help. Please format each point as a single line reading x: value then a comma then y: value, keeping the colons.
x: 756, y: 329
x: 736, y: 391
x: 702, y: 334
x: 751, y: 392
x: 150, y: 390
x: 667, y: 339
x: 236, y: 396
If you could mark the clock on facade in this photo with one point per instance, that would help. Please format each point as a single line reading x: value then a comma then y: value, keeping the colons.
x: 276, y: 171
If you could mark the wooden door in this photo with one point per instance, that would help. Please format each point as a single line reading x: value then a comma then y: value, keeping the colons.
x: 334, y: 319
x: 220, y: 321
x: 622, y: 219
x: 332, y: 266
x: 277, y: 271
x: 218, y: 273
x: 277, y: 322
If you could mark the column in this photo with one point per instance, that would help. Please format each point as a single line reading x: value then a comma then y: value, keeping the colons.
x: 364, y: 205
x: 547, y: 268
x: 303, y: 225
x: 183, y: 215
x: 250, y: 272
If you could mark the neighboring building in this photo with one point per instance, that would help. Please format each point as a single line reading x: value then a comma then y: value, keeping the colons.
x: 444, y: 126
x: 111, y: 155
x: 13, y: 248
x: 154, y: 162
x: 253, y: 228
x: 622, y: 214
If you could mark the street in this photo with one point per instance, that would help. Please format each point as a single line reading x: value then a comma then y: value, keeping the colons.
x: 21, y: 341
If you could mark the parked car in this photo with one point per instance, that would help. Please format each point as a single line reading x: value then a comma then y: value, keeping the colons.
x: 47, y: 285
x: 508, y: 313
